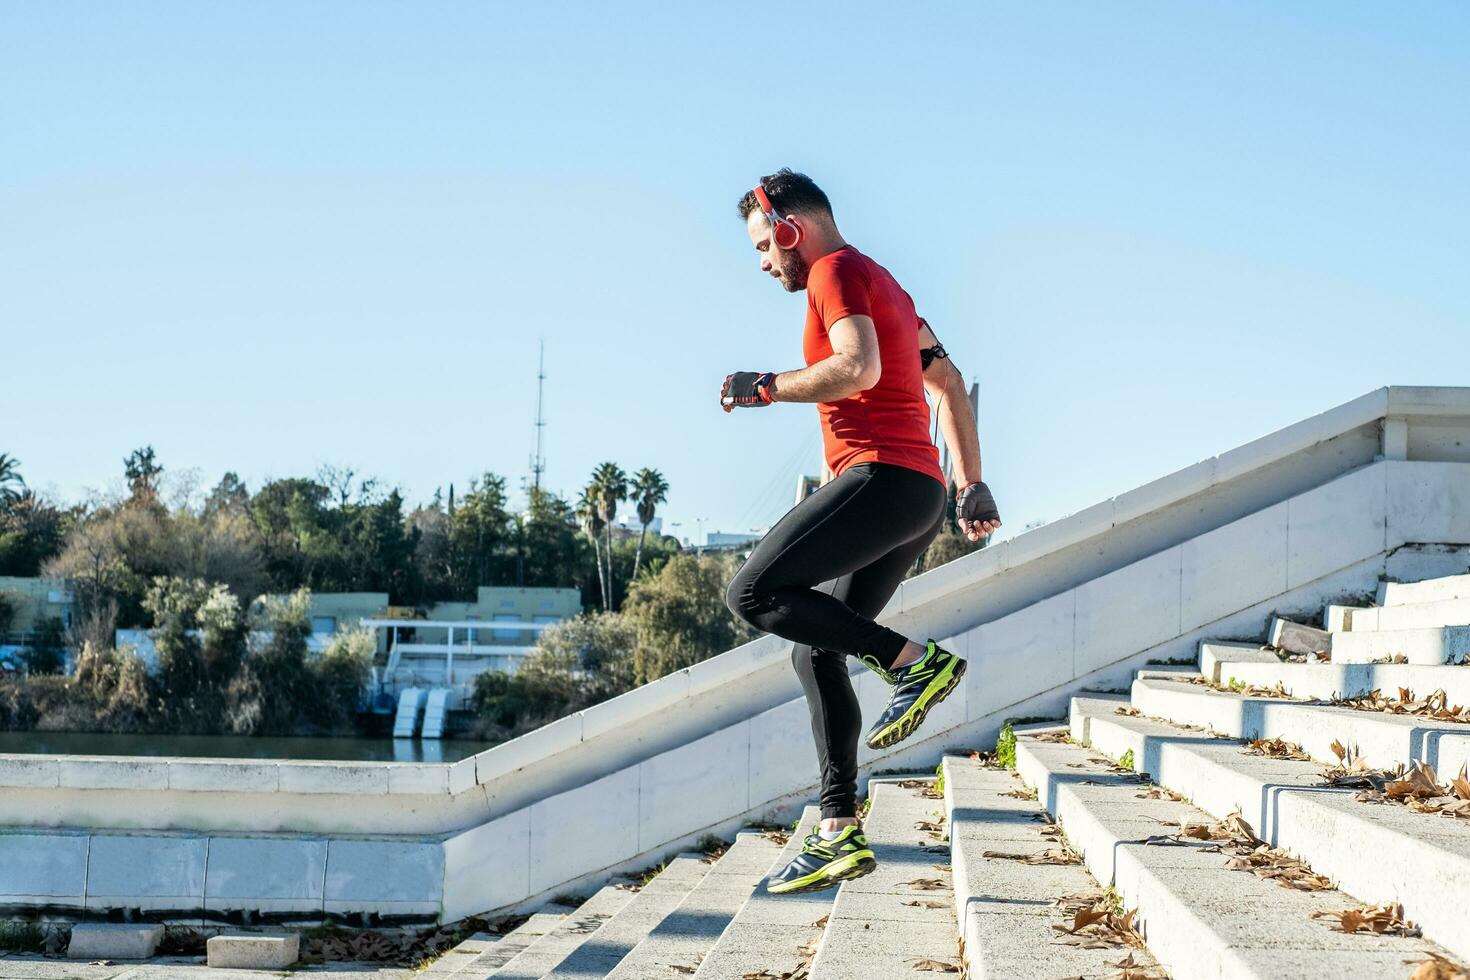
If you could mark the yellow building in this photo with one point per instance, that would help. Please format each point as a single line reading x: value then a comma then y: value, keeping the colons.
x: 32, y: 601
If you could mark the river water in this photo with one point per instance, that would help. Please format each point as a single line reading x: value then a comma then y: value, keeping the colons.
x: 240, y: 747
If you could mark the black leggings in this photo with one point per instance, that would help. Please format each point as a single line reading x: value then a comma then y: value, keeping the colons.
x: 819, y: 576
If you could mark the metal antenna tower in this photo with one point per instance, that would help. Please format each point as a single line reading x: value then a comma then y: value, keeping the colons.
x: 538, y: 462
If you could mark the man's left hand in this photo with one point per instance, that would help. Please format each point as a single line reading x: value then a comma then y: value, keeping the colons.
x: 746, y: 389
x: 976, y: 511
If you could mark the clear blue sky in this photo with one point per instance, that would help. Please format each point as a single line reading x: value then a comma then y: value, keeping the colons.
x: 268, y: 236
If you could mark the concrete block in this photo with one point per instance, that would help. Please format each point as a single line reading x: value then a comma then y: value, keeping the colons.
x: 365, y: 778
x: 43, y: 869
x: 265, y: 874
x: 1013, y: 657
x: 1449, y: 645
x: 247, y: 952
x: 694, y: 786
x: 1128, y: 611
x: 29, y: 771
x: 635, y: 706
x: 935, y: 585
x: 1408, y: 616
x: 1428, y: 502
x: 584, y: 829
x: 113, y: 941
x: 1336, y: 525
x: 545, y: 742
x: 385, y: 876
x: 782, y: 757
x: 488, y: 867
x: 223, y: 776
x: 1339, y: 618
x: 152, y: 872
x: 1298, y: 638
x: 1212, y: 655
x: 462, y: 776
x: 1432, y: 590
x: 420, y: 779
x: 1232, y: 567
x: 113, y: 772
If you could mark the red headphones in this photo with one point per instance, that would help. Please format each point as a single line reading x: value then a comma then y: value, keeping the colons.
x: 785, y: 232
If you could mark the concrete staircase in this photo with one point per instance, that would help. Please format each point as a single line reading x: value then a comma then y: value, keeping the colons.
x: 1153, y: 835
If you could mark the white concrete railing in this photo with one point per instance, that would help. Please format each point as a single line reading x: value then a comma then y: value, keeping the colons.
x: 1304, y: 515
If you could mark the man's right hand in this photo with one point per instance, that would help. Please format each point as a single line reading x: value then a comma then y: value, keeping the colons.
x: 976, y: 512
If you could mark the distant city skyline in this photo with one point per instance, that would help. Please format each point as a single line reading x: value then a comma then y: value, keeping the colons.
x: 268, y: 237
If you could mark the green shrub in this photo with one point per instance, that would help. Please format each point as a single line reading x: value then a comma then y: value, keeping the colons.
x: 1005, y: 747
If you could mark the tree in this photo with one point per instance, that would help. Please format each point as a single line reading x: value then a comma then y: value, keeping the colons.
x: 11, y: 484
x: 32, y: 532
x: 229, y: 496
x: 589, y: 512
x: 681, y: 616
x: 143, y: 470
x: 649, y: 490
x: 612, y: 489
x: 576, y: 664
x: 480, y: 534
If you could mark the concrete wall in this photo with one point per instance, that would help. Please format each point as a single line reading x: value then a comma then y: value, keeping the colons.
x: 1315, y: 512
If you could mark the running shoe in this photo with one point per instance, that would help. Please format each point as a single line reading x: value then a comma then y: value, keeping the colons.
x: 825, y: 863
x: 917, y: 688
x: 871, y: 662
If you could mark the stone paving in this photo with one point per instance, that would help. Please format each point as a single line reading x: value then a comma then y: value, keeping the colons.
x: 26, y: 966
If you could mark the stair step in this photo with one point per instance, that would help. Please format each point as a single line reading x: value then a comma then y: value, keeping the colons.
x: 620, y: 934
x: 677, y: 944
x: 1379, y: 853
x: 1429, y: 590
x: 1203, y: 921
x: 1410, y: 615
x: 462, y: 955
x: 547, y: 952
x: 1213, y: 654
x: 872, y: 933
x: 1443, y: 645
x: 768, y: 931
x: 1009, y: 906
x: 503, y: 950
x: 1381, y: 739
x: 1329, y: 680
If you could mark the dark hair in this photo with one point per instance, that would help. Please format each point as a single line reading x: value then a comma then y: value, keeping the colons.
x: 789, y: 192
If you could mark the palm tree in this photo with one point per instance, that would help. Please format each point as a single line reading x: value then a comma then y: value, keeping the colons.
x: 612, y: 489
x: 10, y: 479
x: 590, y: 516
x: 650, y: 489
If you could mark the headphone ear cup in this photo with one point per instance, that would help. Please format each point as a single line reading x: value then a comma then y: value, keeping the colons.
x: 786, y: 233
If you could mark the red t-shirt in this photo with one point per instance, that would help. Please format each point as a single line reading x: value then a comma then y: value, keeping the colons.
x: 888, y: 423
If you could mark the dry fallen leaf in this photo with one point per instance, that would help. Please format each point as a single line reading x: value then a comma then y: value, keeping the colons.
x: 1277, y: 748
x: 937, y: 966
x: 1377, y: 919
x: 927, y: 884
x: 925, y: 904
x: 1436, y: 967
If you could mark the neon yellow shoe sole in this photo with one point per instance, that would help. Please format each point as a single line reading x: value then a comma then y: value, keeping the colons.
x: 938, y: 688
x: 845, y: 868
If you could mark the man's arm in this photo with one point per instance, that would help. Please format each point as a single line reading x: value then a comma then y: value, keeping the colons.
x: 946, y: 387
x: 853, y: 366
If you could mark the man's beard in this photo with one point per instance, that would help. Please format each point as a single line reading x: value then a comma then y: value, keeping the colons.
x: 794, y: 275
